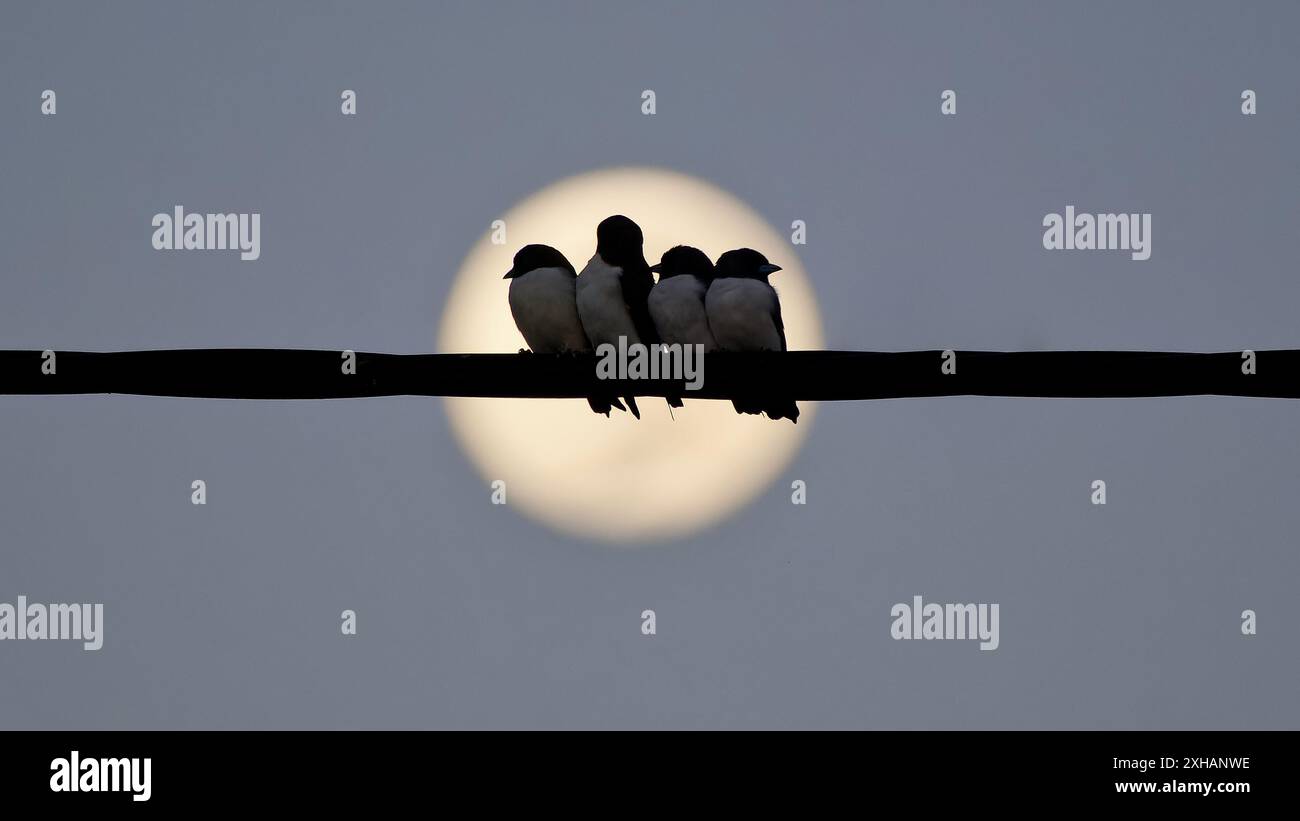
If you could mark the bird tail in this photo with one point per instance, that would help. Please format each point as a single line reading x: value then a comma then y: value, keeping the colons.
x: 675, y: 402
x: 782, y: 409
x: 745, y: 404
x: 603, y: 405
x: 774, y: 407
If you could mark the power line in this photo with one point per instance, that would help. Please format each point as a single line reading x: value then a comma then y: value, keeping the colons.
x: 259, y: 373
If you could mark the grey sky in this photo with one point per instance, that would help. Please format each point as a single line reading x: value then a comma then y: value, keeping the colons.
x: 923, y: 232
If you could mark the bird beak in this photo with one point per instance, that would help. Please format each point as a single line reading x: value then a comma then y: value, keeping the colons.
x: 657, y: 269
x: 509, y: 274
x: 769, y: 268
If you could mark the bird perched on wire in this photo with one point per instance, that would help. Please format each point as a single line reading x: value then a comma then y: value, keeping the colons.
x: 677, y: 301
x: 544, y: 305
x: 744, y: 314
x: 612, y: 290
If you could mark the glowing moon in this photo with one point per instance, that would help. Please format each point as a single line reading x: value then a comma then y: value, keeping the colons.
x: 619, y: 480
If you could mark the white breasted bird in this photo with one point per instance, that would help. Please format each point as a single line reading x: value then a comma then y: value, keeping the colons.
x: 745, y: 315
x: 677, y: 301
x: 543, y: 303
x: 613, y: 288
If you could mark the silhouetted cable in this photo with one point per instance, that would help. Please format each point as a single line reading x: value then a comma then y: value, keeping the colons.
x: 806, y: 375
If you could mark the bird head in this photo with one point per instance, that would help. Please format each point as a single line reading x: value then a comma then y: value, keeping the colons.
x: 683, y: 260
x: 619, y: 240
x: 532, y: 257
x: 745, y: 263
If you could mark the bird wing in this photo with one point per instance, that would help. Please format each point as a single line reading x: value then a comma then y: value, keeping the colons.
x: 776, y: 319
x: 637, y: 282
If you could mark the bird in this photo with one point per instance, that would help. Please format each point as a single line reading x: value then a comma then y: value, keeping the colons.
x: 544, y: 304
x: 677, y: 301
x: 744, y: 314
x: 612, y: 290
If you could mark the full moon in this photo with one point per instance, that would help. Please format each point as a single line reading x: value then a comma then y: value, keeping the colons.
x: 621, y: 481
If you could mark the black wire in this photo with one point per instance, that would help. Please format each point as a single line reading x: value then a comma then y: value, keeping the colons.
x: 250, y: 373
